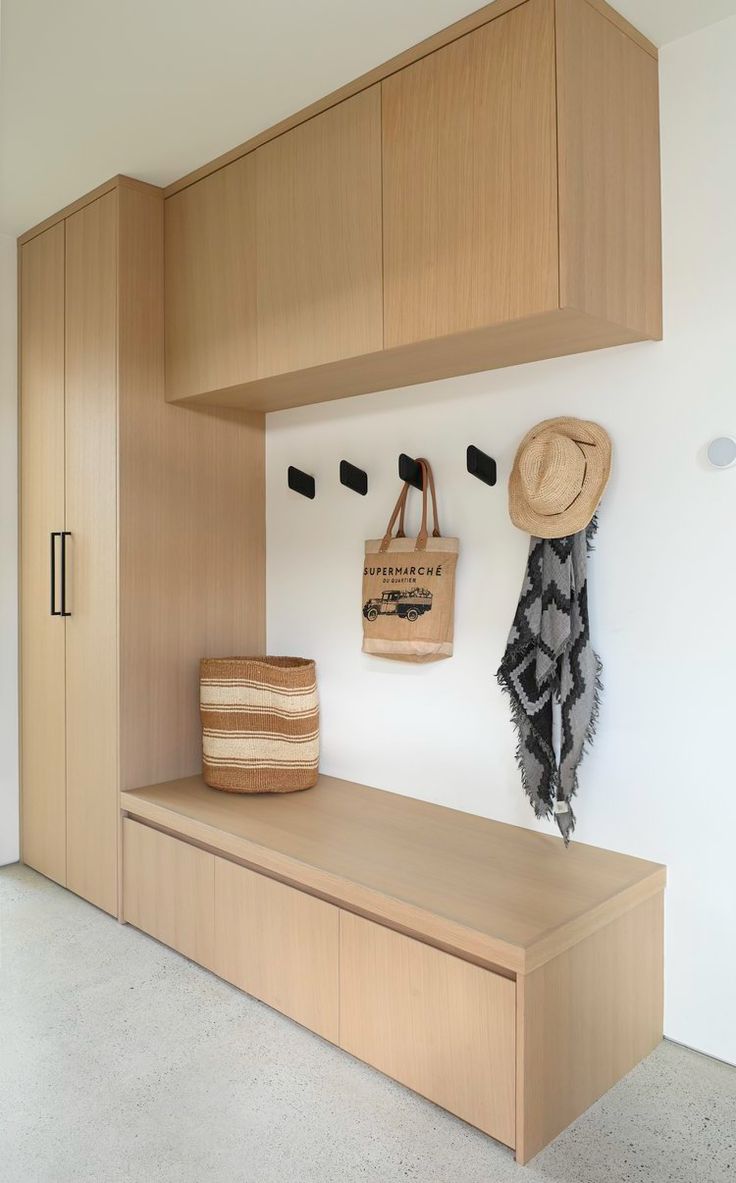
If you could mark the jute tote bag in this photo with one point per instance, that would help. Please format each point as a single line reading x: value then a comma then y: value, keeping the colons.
x: 409, y: 587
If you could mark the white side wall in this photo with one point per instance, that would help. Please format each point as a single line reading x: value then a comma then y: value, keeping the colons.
x: 660, y: 781
x: 8, y: 556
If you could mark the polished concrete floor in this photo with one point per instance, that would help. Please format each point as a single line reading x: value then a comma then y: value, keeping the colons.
x: 121, y: 1061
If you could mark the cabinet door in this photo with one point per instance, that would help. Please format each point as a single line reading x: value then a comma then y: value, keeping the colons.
x: 319, y: 284
x: 470, y: 181
x: 278, y: 944
x: 445, y: 1028
x: 91, y: 516
x: 42, y: 511
x: 168, y: 890
x: 210, y: 290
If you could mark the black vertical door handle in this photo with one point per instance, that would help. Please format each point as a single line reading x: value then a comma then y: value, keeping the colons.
x: 64, y: 535
x: 54, y: 535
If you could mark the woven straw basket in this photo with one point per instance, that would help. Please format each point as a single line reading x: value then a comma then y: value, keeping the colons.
x: 260, y: 724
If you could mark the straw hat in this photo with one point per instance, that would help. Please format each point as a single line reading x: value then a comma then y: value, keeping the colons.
x: 561, y: 468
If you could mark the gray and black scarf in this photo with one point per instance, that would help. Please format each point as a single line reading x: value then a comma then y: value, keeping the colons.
x: 552, y: 675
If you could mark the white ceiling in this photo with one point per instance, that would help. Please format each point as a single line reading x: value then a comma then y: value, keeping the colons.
x: 154, y: 88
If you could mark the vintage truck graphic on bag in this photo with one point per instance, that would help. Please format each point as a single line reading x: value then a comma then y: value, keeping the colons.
x: 409, y: 605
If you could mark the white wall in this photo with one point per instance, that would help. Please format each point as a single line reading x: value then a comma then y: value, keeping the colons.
x: 660, y: 781
x: 8, y: 552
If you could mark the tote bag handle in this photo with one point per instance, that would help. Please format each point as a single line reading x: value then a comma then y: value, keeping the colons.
x: 428, y: 487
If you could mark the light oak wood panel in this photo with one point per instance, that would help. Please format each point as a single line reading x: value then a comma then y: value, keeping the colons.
x: 278, y: 944
x: 437, y: 1024
x: 481, y: 270
x: 43, y: 742
x: 319, y: 279
x: 608, y: 121
x: 211, y: 282
x: 491, y: 892
x: 585, y: 1019
x: 192, y: 526
x: 113, y: 184
x: 621, y: 23
x: 436, y: 41
x: 470, y: 181
x: 91, y: 505
x: 551, y: 334
x: 169, y: 891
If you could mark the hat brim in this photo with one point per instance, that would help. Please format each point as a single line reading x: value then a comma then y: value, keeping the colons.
x: 597, y: 448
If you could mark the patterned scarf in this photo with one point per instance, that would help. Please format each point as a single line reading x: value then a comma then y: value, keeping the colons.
x: 552, y: 675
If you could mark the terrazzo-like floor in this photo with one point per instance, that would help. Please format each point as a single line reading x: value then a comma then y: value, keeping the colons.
x: 121, y: 1061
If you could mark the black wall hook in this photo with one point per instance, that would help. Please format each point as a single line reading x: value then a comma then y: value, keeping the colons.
x: 410, y: 471
x: 353, y: 478
x: 481, y: 465
x: 301, y: 482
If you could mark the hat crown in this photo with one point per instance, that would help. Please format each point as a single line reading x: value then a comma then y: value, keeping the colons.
x: 552, y: 471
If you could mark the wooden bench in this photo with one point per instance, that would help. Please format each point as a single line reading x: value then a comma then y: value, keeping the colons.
x: 509, y: 980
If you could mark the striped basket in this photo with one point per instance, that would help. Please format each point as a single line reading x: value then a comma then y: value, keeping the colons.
x: 260, y: 724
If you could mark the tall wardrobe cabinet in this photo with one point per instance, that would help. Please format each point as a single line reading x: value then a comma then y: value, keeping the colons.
x: 142, y: 536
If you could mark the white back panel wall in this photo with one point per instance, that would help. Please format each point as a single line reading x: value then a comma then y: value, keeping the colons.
x: 660, y: 781
x: 8, y: 553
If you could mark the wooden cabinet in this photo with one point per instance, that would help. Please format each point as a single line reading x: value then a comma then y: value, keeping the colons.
x: 42, y: 636
x: 469, y: 181
x: 211, y: 340
x: 279, y: 945
x: 608, y: 171
x: 273, y: 263
x: 276, y: 943
x: 319, y: 282
x: 488, y: 198
x: 486, y: 966
x: 169, y: 891
x: 445, y: 1028
x: 91, y: 574
x: 163, y: 552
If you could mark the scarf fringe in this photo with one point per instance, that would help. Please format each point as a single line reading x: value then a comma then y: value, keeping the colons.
x: 590, y: 733
x: 544, y: 810
x: 520, y: 723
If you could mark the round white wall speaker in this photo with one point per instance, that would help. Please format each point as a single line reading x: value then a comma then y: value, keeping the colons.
x: 722, y: 452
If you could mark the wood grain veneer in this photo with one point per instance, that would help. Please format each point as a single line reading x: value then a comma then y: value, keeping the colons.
x: 551, y: 334
x: 192, y: 526
x: 319, y: 273
x: 42, y: 636
x: 278, y: 944
x: 609, y: 185
x: 470, y: 181
x: 519, y: 1047
x: 460, y: 28
x: 91, y: 429
x: 211, y: 335
x: 166, y: 508
x: 169, y: 891
x: 109, y: 186
x: 509, y: 207
x: 505, y: 896
x: 585, y: 1019
x: 443, y: 1027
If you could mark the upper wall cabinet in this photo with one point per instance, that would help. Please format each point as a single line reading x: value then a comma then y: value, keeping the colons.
x: 489, y: 198
x: 210, y: 257
x: 470, y: 192
x: 273, y: 263
x: 319, y: 286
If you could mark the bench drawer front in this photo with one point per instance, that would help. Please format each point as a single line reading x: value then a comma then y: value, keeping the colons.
x: 278, y: 944
x: 169, y: 890
x: 440, y: 1025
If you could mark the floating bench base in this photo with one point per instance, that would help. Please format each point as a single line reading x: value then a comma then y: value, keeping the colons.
x: 518, y: 1043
